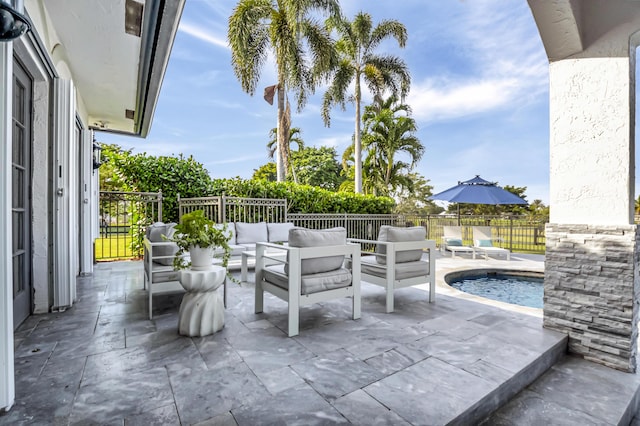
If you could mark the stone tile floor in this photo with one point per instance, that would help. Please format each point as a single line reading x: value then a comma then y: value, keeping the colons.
x: 104, y: 362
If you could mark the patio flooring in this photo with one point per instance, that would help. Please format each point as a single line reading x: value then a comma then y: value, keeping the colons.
x: 454, y: 361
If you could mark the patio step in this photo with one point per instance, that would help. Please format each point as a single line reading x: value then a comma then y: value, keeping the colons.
x: 502, y: 394
x: 578, y: 392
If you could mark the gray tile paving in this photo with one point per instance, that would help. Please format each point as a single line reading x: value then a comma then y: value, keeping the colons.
x: 103, y: 362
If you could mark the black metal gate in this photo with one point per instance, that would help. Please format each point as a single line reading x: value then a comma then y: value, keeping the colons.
x: 123, y: 218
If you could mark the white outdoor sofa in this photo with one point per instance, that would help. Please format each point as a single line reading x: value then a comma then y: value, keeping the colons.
x: 244, y: 237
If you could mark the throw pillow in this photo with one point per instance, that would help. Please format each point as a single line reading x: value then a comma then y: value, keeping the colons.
x: 484, y: 243
x: 453, y: 242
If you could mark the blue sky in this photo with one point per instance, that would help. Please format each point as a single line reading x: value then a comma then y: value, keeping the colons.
x: 479, y: 94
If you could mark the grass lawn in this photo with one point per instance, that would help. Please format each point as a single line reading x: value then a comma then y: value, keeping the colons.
x: 115, y: 247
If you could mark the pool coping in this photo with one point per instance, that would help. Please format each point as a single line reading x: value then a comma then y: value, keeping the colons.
x: 445, y: 268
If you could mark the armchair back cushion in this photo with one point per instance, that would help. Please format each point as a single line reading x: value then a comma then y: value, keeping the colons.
x: 279, y: 232
x: 247, y: 233
x: 154, y: 233
x: 396, y: 235
x: 303, y: 237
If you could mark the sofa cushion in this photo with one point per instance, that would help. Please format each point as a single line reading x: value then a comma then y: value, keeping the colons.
x: 396, y: 235
x: 236, y: 250
x: 312, y: 283
x: 303, y: 237
x: 251, y: 232
x: 279, y: 232
x: 370, y: 266
x: 230, y: 232
x: 155, y: 234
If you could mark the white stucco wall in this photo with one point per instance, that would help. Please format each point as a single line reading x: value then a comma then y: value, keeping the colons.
x: 591, y: 146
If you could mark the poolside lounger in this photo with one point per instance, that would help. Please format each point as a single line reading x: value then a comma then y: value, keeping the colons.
x: 452, y: 241
x: 483, y: 242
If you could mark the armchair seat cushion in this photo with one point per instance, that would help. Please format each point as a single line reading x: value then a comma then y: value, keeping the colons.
x: 311, y: 283
x: 370, y: 266
x: 164, y: 276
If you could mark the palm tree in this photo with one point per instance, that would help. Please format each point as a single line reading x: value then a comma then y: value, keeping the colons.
x: 356, y: 46
x: 285, y: 27
x: 294, y: 136
x: 388, y: 131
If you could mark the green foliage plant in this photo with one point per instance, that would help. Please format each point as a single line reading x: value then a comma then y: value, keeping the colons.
x: 195, y: 229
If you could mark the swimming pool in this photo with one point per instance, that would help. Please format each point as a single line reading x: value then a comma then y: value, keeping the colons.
x: 518, y: 288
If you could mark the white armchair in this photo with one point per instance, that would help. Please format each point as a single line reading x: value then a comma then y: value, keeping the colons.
x: 399, y: 261
x: 313, y: 271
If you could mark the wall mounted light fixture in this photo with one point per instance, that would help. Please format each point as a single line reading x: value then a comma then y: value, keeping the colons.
x: 97, y: 155
x: 12, y: 23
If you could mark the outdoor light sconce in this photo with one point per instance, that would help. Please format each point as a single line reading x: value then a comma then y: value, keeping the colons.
x: 12, y: 23
x: 97, y: 155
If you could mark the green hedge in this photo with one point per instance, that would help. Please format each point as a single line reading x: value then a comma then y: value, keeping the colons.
x: 303, y: 198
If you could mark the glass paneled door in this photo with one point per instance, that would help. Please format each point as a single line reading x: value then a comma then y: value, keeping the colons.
x: 21, y: 196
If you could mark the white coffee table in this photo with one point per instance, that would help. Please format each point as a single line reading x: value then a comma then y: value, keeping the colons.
x: 251, y: 254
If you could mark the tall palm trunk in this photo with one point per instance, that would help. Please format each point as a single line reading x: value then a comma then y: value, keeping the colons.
x: 281, y: 167
x: 358, y: 141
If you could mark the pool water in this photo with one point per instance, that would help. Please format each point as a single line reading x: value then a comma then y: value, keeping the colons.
x: 518, y: 290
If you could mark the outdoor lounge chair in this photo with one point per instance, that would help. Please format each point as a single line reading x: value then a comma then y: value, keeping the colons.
x: 399, y: 262
x: 452, y: 241
x: 313, y: 271
x: 483, y: 242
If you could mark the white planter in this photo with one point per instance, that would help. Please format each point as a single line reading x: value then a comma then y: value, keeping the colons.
x: 201, y: 258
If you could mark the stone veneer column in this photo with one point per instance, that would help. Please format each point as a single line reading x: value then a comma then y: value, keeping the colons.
x: 591, y: 270
x: 591, y: 290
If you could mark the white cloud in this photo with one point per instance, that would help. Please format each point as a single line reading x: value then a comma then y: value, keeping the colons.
x: 235, y: 160
x: 502, y: 65
x: 203, y: 34
x: 340, y: 140
x: 435, y: 100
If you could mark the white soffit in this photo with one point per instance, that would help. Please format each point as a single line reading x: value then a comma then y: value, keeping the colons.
x: 103, y: 58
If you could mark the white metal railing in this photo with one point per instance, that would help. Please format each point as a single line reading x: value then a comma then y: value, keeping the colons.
x: 363, y: 226
x: 236, y: 209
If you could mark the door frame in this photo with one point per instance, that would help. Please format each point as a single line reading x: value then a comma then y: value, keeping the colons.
x: 19, y: 317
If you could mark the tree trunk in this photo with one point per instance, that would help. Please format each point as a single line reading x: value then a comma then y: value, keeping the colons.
x: 280, y: 163
x: 358, y: 142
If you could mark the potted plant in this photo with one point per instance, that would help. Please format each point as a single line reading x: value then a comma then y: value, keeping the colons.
x: 200, y: 236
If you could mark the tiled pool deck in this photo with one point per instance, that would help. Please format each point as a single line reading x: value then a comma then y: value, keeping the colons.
x: 104, y: 362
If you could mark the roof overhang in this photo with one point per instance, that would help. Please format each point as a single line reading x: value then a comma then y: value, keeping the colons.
x: 117, y: 52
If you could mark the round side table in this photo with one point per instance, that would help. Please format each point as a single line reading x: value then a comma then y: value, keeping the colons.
x: 202, y: 308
